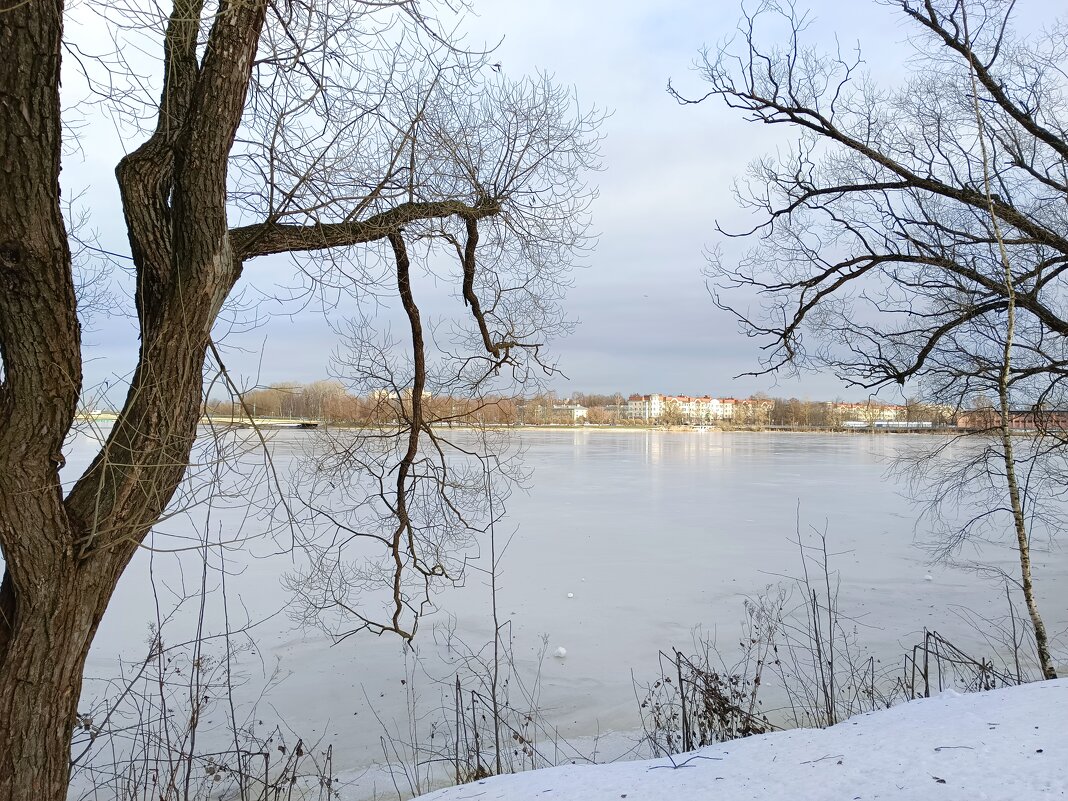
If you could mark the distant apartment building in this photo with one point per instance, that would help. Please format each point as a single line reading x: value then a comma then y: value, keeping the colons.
x: 867, y: 412
x: 1046, y: 420
x: 545, y: 413
x: 683, y: 408
x: 645, y: 407
x: 572, y: 412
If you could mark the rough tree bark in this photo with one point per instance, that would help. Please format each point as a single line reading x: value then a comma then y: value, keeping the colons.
x: 39, y: 344
x: 64, y: 556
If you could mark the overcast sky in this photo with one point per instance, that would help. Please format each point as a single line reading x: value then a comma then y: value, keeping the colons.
x: 646, y: 321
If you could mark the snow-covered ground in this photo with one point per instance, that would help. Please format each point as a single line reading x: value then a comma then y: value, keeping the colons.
x: 1004, y: 745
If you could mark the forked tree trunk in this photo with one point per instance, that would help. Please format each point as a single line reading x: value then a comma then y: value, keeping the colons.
x: 64, y: 555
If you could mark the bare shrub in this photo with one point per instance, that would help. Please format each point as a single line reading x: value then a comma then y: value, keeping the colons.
x: 801, y: 662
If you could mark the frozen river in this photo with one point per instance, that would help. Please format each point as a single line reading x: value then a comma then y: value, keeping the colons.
x: 623, y: 545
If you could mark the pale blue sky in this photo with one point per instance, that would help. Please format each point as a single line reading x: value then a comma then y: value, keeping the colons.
x: 646, y: 322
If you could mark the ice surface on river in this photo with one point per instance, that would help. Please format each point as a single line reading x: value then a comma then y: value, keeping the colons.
x: 653, y: 533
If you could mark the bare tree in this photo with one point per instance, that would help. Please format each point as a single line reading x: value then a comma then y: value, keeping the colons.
x: 324, y: 130
x: 916, y: 234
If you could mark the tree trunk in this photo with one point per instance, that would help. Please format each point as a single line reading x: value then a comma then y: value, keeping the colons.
x: 41, y: 682
x: 1019, y: 521
x: 64, y: 556
x: 44, y: 627
x: 1023, y: 546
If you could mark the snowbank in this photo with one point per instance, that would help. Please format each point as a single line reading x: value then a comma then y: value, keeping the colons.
x: 1009, y: 745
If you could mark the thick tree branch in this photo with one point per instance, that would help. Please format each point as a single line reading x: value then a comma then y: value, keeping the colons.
x: 264, y: 239
x: 952, y: 39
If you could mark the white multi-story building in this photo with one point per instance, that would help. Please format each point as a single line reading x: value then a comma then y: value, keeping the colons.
x: 572, y: 411
x: 645, y: 407
x: 682, y: 407
x: 868, y: 412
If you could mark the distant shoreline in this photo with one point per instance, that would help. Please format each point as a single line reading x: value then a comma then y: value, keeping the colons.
x: 289, y: 424
x: 730, y: 429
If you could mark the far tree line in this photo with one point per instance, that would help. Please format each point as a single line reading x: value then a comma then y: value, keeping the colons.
x: 330, y: 401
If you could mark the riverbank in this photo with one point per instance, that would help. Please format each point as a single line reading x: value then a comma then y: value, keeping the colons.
x: 1001, y: 745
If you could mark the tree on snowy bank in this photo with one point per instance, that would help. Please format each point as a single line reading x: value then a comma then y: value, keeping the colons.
x: 918, y: 234
x: 352, y: 135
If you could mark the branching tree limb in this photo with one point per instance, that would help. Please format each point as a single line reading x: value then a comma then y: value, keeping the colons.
x: 913, y: 235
